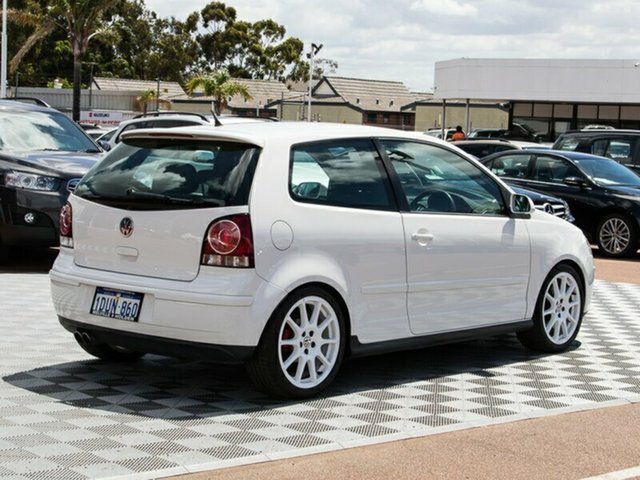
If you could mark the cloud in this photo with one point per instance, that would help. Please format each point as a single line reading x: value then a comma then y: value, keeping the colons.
x: 445, y: 7
x: 402, y: 39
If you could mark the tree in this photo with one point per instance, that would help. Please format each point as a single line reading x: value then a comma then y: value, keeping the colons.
x: 81, y: 20
x: 220, y: 86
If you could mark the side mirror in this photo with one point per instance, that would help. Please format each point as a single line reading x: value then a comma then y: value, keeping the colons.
x: 520, y: 206
x: 575, y: 182
x: 106, y: 146
x: 310, y: 190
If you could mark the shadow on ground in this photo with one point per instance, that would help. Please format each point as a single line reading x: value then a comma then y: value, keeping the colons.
x: 162, y: 387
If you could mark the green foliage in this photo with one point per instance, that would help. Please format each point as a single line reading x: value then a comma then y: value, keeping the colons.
x: 218, y: 85
x: 122, y: 38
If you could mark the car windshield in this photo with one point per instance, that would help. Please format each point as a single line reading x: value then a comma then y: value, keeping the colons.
x: 153, y: 174
x: 604, y: 171
x: 41, y: 130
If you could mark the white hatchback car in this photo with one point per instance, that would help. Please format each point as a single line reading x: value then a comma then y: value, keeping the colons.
x: 290, y: 246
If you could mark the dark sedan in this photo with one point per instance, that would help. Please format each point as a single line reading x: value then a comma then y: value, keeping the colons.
x: 42, y: 153
x: 604, y: 196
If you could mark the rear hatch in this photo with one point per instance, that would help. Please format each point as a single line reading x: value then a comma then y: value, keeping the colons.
x: 144, y: 210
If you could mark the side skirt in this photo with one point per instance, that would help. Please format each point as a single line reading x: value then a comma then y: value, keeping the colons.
x: 359, y: 349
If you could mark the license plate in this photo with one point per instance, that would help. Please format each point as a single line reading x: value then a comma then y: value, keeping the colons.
x: 111, y: 303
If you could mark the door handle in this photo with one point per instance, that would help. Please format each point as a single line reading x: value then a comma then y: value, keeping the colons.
x: 422, y: 237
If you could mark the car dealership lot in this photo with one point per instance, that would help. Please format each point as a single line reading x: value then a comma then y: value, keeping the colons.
x: 65, y: 415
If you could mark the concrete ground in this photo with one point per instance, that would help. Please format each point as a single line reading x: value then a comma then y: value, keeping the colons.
x: 602, y: 443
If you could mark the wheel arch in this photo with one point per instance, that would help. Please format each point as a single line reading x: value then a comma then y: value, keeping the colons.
x: 614, y: 210
x: 331, y: 290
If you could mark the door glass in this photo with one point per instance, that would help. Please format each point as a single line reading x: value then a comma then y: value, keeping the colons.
x: 554, y: 170
x: 434, y: 179
x: 514, y: 166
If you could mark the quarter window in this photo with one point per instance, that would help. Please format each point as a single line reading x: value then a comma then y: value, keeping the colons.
x: 345, y: 173
x: 434, y: 179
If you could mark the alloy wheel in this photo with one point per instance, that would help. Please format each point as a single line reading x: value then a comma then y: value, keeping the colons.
x: 561, y: 308
x: 309, y: 342
x: 614, y: 236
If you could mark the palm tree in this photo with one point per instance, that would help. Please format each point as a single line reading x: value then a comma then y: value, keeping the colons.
x: 148, y: 96
x: 220, y: 86
x: 80, y: 19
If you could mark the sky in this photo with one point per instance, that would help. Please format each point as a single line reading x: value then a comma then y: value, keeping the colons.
x: 402, y: 39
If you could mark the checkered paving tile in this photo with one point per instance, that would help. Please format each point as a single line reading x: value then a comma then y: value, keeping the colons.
x: 66, y: 415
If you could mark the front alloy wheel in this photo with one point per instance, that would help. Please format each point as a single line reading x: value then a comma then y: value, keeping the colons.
x: 616, y: 236
x: 558, y: 312
x: 302, y: 346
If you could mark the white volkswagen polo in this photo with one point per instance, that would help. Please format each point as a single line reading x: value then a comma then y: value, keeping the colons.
x: 292, y: 246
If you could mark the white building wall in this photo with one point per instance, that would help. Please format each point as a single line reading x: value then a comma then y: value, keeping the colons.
x: 560, y: 80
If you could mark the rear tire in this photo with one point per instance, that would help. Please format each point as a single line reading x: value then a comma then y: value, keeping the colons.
x: 302, y: 346
x: 558, y: 313
x: 617, y: 236
x: 104, y: 351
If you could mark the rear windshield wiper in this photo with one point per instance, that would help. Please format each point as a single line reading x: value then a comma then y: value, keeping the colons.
x: 131, y: 192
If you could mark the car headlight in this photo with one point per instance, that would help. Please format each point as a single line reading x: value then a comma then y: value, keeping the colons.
x: 30, y: 181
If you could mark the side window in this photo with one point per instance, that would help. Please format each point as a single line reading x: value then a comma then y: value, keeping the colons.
x: 513, y: 166
x: 619, y: 149
x: 568, y: 143
x: 435, y: 179
x: 554, y: 170
x: 345, y: 173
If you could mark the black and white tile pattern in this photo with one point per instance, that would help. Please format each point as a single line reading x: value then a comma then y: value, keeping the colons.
x: 64, y: 415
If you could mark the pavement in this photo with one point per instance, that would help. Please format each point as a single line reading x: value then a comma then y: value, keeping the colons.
x: 601, y: 443
x: 484, y: 409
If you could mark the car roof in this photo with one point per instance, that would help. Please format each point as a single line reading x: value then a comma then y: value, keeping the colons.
x: 598, y: 132
x: 569, y: 154
x: 258, y: 133
x: 23, y: 106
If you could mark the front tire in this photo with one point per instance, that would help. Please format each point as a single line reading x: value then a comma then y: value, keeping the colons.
x: 558, y: 313
x: 302, y: 347
x: 617, y: 236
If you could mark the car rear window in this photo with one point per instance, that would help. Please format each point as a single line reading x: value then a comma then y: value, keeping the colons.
x: 152, y: 174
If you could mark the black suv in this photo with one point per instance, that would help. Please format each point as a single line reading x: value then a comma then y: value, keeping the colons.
x: 621, y: 145
x: 43, y: 153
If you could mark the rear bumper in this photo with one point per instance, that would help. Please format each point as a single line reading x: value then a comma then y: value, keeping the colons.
x: 174, y: 315
x: 227, y: 354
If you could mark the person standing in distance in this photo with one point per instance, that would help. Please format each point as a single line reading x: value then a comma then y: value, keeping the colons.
x: 458, y: 134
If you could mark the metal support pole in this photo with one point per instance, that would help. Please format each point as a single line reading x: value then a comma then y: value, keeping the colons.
x: 314, y: 50
x: 444, y: 119
x: 158, y: 95
x: 3, y: 74
x: 467, y: 120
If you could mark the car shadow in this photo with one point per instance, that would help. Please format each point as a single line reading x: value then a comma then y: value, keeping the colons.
x: 162, y: 387
x: 34, y: 260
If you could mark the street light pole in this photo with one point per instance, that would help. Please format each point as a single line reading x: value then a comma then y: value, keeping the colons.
x: 314, y: 50
x: 3, y: 74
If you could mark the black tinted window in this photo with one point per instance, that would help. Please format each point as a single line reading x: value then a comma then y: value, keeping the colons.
x: 347, y: 173
x: 170, y: 173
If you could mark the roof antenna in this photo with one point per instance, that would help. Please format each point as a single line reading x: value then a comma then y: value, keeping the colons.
x: 216, y: 120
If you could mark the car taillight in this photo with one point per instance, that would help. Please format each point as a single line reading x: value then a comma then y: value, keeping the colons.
x: 229, y: 242
x: 66, y: 227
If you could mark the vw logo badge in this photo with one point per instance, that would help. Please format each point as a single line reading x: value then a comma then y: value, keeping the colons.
x: 549, y: 208
x: 126, y: 226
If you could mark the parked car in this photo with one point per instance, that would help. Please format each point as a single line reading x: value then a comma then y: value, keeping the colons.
x: 621, y: 145
x: 290, y: 246
x: 437, y: 132
x: 43, y: 153
x: 481, y: 148
x: 546, y: 203
x: 517, y: 131
x: 604, y: 196
x: 154, y: 120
